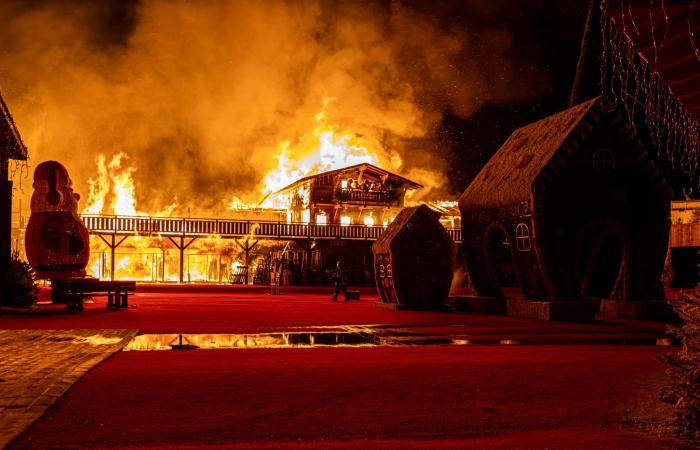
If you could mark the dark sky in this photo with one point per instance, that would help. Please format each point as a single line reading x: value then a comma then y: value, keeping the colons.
x: 557, y: 30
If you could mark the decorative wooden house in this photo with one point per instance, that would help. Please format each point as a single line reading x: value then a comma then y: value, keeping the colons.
x: 413, y: 260
x: 359, y: 194
x: 576, y: 209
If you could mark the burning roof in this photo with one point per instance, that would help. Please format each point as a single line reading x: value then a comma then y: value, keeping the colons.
x: 356, y: 169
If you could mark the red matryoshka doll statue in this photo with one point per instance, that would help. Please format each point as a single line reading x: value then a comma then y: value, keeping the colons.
x: 56, y: 241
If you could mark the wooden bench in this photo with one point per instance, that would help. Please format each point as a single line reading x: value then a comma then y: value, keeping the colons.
x: 73, y: 291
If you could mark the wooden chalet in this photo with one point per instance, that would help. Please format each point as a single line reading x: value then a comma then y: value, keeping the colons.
x: 355, y: 195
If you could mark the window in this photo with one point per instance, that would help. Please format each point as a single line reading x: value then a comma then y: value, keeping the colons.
x: 522, y: 238
x: 388, y: 271
x: 603, y: 161
x: 381, y: 271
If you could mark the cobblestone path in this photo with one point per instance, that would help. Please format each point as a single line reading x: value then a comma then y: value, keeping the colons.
x: 38, y: 366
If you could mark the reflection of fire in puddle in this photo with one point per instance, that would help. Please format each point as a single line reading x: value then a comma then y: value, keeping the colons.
x: 346, y: 336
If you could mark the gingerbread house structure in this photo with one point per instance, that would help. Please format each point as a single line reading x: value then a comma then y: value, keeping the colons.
x: 571, y: 209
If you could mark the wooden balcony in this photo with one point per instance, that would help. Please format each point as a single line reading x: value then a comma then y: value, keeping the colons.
x: 229, y: 228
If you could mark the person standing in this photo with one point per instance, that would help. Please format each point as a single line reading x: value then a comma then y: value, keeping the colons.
x: 341, y: 280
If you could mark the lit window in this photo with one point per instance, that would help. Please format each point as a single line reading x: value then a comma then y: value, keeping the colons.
x: 321, y: 219
x: 306, y: 216
x: 369, y: 221
x: 345, y: 221
x: 388, y: 270
x: 344, y: 184
x: 522, y: 237
x: 289, y: 216
x: 381, y: 271
x: 603, y: 161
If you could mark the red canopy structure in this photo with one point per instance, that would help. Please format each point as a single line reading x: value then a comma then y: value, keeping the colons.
x: 11, y: 147
x: 666, y: 35
x: 649, y: 60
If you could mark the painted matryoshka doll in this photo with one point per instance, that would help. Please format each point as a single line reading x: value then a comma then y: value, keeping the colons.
x: 57, y: 242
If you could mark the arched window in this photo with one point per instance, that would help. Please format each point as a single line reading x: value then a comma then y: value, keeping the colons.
x: 603, y: 161
x: 381, y: 271
x: 388, y: 270
x: 522, y: 238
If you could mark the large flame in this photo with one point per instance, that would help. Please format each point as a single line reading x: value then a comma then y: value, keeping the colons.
x: 115, y: 186
x: 324, y: 148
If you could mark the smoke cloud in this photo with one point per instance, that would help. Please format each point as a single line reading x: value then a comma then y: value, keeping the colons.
x: 200, y: 94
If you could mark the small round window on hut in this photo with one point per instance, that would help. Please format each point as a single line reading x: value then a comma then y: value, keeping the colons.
x: 522, y: 238
x: 603, y: 161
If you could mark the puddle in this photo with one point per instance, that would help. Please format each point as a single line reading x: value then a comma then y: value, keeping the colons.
x: 345, y: 337
x: 350, y: 336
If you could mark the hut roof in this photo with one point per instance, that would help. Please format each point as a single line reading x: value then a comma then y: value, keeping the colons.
x: 11, y: 145
x: 356, y: 168
x: 507, y: 178
x: 383, y: 242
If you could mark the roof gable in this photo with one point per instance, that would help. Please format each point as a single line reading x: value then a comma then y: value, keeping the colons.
x: 357, y: 167
x: 11, y: 145
x: 507, y: 178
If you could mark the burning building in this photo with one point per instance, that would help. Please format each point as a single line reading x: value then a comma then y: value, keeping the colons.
x: 359, y: 194
x: 362, y: 199
x: 294, y: 236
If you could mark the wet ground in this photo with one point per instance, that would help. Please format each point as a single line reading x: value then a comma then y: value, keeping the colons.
x: 255, y: 370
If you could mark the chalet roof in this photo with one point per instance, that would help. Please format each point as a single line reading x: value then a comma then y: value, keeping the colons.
x: 421, y: 212
x: 11, y: 145
x: 363, y: 166
x: 508, y: 176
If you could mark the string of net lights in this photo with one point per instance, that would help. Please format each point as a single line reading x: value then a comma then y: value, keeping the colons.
x: 630, y: 79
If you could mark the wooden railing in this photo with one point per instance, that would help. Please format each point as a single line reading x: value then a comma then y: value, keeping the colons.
x: 229, y: 228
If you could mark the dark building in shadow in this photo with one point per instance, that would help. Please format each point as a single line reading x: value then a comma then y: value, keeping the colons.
x: 569, y: 208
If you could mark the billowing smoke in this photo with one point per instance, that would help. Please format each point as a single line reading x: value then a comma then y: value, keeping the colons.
x: 200, y: 94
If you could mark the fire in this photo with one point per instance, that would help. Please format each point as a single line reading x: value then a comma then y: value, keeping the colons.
x: 327, y: 147
x: 113, y: 191
x: 115, y: 181
x: 124, y: 202
x: 99, y: 188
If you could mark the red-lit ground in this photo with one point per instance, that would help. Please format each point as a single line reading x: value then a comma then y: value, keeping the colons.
x: 578, y: 391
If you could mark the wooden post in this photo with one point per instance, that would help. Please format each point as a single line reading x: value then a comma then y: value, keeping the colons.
x: 112, y: 247
x: 163, y: 263
x: 181, y: 246
x: 247, y: 247
x: 112, y: 244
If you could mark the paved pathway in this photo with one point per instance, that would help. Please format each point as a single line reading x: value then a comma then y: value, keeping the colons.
x: 38, y: 366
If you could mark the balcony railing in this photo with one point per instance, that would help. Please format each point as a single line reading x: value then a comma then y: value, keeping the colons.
x: 229, y: 228
x: 361, y: 196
